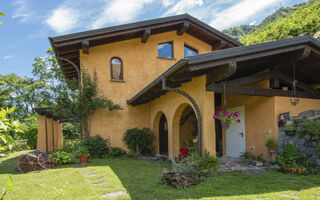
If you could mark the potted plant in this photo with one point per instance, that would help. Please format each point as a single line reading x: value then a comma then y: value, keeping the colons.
x: 290, y: 130
x: 227, y: 118
x: 83, y: 154
x: 271, y: 144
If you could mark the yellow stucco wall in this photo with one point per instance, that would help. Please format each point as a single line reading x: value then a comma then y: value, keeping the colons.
x: 140, y: 67
x: 173, y: 104
x: 262, y: 115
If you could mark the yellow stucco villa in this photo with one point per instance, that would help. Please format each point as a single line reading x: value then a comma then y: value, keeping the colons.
x: 173, y: 74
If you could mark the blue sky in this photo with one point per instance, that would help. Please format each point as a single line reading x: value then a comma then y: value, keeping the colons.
x: 28, y: 23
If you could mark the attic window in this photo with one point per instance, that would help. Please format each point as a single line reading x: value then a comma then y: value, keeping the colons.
x: 116, y: 69
x: 165, y: 50
x: 189, y: 51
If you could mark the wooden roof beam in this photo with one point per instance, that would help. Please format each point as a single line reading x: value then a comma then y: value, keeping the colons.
x: 219, y: 44
x: 183, y: 29
x: 85, y: 46
x: 146, y: 35
x: 221, y: 72
x: 260, y: 92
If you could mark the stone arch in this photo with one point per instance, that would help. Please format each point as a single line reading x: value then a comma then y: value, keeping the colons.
x: 160, y: 129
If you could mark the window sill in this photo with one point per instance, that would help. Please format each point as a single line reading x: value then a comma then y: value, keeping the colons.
x: 166, y: 58
x: 117, y: 80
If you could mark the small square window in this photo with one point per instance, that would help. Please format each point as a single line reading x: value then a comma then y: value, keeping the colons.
x: 165, y: 50
x: 189, y: 51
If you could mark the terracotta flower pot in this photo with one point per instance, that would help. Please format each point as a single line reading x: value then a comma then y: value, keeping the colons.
x: 225, y: 124
x: 84, y: 159
x: 289, y: 170
x: 271, y: 150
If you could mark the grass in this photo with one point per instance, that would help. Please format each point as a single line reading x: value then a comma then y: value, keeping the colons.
x: 141, y: 181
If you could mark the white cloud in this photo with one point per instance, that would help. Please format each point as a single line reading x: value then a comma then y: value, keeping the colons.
x: 253, y: 22
x: 63, y: 19
x: 23, y: 12
x: 183, y: 6
x: 167, y: 3
x: 119, y: 11
x: 239, y: 13
x: 8, y: 57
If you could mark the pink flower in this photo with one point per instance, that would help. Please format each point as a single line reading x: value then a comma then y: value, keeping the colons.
x: 238, y: 120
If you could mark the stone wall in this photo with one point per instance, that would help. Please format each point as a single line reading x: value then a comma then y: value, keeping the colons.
x: 306, y: 145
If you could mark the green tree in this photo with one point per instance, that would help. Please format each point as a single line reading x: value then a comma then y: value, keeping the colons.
x: 306, y: 19
x: 9, y: 127
x: 80, y: 101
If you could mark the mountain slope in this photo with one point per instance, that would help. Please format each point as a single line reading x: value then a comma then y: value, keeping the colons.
x: 306, y: 19
x: 243, y: 30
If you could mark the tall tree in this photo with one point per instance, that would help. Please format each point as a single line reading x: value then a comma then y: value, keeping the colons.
x: 1, y: 15
x: 80, y: 101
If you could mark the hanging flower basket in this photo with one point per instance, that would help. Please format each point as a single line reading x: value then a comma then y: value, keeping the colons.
x: 227, y: 118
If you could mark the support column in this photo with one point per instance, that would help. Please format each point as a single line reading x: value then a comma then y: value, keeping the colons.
x: 208, y: 124
x: 42, y: 133
x: 50, y: 138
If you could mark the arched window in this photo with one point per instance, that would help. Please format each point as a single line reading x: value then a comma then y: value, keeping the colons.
x: 116, y: 69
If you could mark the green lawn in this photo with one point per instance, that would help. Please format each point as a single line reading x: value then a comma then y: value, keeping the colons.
x: 140, y: 179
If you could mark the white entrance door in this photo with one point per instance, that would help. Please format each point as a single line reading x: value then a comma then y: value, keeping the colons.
x: 235, y: 135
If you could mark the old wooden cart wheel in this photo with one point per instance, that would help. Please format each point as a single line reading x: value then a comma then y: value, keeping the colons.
x: 29, y: 162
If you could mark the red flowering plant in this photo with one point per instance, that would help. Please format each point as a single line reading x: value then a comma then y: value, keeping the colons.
x: 184, y: 152
x: 227, y: 118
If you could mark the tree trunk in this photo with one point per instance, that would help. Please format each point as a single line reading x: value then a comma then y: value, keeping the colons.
x: 86, y: 129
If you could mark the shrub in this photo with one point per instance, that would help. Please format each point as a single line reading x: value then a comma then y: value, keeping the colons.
x: 290, y: 127
x: 271, y: 143
x: 97, y: 146
x: 310, y: 128
x: 117, y: 152
x: 250, y: 156
x: 82, y: 151
x: 139, y: 141
x: 61, y: 157
x: 31, y: 134
x: 20, y: 146
x: 71, y: 130
x: 70, y: 146
x: 208, y: 161
x: 291, y: 158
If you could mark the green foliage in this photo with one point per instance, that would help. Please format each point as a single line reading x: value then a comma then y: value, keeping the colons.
x: 97, y: 146
x: 196, y: 166
x: 61, y: 157
x: 82, y: 151
x: 290, y: 127
x: 291, y: 158
x: 239, y: 31
x: 271, y: 143
x: 318, y: 147
x: 244, y: 30
x: 70, y: 146
x: 249, y: 156
x: 30, y: 132
x: 71, y: 130
x: 9, y: 127
x: 79, y: 102
x: 208, y: 161
x: 20, y: 146
x: 117, y: 152
x: 303, y: 20
x: 9, y: 187
x: 311, y: 128
x: 139, y: 141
